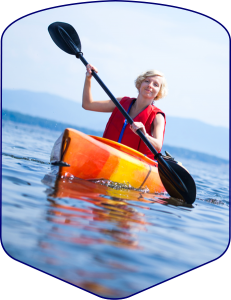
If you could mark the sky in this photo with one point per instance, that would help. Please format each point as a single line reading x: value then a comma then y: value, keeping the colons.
x: 123, y: 40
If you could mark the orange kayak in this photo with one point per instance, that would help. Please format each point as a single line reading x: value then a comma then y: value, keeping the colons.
x: 93, y: 158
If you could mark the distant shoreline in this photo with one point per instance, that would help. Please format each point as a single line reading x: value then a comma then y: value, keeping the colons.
x: 12, y: 116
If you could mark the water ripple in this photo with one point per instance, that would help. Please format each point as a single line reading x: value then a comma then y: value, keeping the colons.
x: 104, y: 237
x: 26, y: 158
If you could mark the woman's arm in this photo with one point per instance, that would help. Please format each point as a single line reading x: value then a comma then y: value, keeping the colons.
x: 87, y: 102
x: 157, y: 135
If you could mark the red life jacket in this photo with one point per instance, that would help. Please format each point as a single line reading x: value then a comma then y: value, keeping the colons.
x: 116, y: 122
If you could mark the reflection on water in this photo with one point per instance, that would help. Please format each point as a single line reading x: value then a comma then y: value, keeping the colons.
x: 112, y: 242
x: 92, y: 215
x: 102, y: 205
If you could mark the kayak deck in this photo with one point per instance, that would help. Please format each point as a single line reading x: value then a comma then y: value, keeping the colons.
x: 92, y: 158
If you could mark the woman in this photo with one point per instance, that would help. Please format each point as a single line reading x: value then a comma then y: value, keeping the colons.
x: 151, y: 120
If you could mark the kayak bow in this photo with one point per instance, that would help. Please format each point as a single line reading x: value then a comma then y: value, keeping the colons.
x: 92, y: 158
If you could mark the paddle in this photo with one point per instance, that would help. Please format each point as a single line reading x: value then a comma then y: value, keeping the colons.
x: 176, y: 180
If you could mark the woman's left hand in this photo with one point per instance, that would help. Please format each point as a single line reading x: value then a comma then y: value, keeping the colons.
x: 138, y: 125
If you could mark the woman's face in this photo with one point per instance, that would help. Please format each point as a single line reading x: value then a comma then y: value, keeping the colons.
x: 150, y: 87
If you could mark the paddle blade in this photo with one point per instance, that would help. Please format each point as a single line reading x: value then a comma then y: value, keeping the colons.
x: 188, y: 194
x: 54, y: 31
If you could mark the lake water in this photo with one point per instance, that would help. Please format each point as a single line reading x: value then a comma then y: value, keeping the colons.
x: 111, y: 242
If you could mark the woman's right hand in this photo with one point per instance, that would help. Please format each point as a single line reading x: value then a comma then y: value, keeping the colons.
x: 87, y: 102
x: 89, y: 70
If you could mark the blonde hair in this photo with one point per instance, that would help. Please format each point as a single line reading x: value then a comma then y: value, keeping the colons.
x: 163, y: 89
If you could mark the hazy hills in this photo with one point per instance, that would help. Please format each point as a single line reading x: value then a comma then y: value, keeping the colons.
x: 182, y: 133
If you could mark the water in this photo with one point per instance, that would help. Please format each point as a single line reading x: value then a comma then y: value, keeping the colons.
x: 112, y: 242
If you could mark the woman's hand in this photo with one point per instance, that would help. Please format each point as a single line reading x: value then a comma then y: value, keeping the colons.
x: 138, y: 125
x: 87, y: 101
x: 89, y: 70
x: 157, y: 131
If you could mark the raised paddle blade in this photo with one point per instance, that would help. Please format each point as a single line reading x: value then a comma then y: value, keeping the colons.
x: 186, y: 191
x: 55, y: 30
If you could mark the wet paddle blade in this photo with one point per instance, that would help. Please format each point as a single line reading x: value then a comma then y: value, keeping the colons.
x: 54, y: 31
x: 175, y: 190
